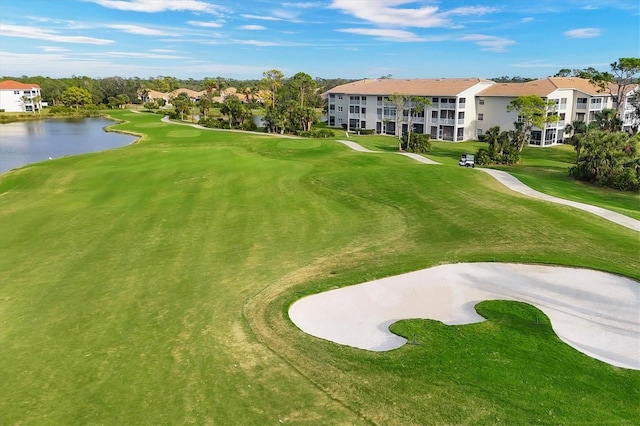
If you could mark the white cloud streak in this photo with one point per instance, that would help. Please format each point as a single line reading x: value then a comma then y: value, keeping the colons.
x: 384, y: 34
x: 387, y: 13
x: 139, y: 30
x: 7, y: 30
x: 154, y: 6
x: 489, y: 43
x: 583, y: 33
x: 206, y: 24
x: 252, y: 27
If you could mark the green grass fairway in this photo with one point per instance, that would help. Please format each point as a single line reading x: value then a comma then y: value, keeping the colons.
x: 150, y: 285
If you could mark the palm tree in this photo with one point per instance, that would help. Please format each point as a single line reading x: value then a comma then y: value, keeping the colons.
x: 26, y: 100
x: 37, y: 102
x: 607, y: 120
x: 576, y: 129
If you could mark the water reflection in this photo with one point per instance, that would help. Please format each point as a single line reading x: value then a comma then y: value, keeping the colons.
x: 32, y: 141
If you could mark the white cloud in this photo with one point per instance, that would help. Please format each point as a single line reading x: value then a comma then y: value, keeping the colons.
x: 140, y: 55
x: 53, y: 49
x: 527, y: 19
x: 489, y: 43
x: 259, y: 43
x: 137, y: 29
x: 262, y: 18
x: 384, y: 34
x: 207, y: 24
x: 470, y: 10
x: 583, y: 33
x: 252, y: 27
x: 387, y: 13
x: 303, y: 5
x: 153, y: 6
x: 48, y: 35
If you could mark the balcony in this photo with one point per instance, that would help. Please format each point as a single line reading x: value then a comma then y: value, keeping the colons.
x: 581, y: 106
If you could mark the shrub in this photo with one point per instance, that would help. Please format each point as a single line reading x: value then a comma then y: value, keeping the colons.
x: 318, y: 133
x: 482, y: 157
x: 419, y: 143
x: 60, y: 110
x: 214, y: 123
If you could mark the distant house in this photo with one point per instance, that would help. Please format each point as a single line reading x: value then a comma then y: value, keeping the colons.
x: 20, y: 97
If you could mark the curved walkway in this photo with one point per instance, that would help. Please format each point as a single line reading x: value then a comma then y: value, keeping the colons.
x: 357, y: 147
x: 515, y: 185
x: 166, y: 119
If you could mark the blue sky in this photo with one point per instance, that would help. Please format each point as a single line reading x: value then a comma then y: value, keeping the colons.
x: 332, y: 38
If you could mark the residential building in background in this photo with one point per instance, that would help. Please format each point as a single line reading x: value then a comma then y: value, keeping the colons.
x: 367, y: 104
x: 20, y: 97
x: 463, y: 109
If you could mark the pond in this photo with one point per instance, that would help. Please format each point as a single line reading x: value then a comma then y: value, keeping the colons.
x: 29, y: 142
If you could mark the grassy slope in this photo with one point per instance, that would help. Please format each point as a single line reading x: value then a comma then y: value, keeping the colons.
x: 544, y: 169
x: 149, y: 284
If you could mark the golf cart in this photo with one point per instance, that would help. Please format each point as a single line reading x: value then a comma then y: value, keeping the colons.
x: 467, y: 160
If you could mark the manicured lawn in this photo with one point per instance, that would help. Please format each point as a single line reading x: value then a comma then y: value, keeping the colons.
x: 544, y: 169
x: 150, y: 285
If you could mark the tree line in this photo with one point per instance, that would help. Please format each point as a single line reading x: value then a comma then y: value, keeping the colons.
x: 102, y: 89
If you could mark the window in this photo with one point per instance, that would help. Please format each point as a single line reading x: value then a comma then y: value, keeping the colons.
x: 340, y: 97
x: 481, y: 101
x: 582, y: 100
x: 332, y: 107
x: 363, y: 110
x: 479, y: 132
x: 354, y: 109
x: 435, y: 101
x: 332, y: 96
x: 480, y: 117
x: 363, y: 124
x: 339, y: 109
x: 379, y: 98
x: 461, y: 115
x: 16, y: 92
x: 462, y: 101
x: 332, y: 120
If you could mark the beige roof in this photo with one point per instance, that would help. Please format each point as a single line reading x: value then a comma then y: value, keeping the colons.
x: 416, y: 86
x: 542, y: 87
x: 190, y: 93
x: 154, y: 94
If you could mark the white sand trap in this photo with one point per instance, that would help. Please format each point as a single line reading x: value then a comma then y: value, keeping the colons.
x: 595, y: 312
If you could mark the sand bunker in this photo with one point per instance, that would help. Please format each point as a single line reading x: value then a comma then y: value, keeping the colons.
x: 594, y: 312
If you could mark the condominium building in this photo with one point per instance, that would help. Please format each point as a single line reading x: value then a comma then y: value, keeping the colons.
x: 19, y: 97
x: 368, y: 104
x: 575, y: 99
x: 464, y: 108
